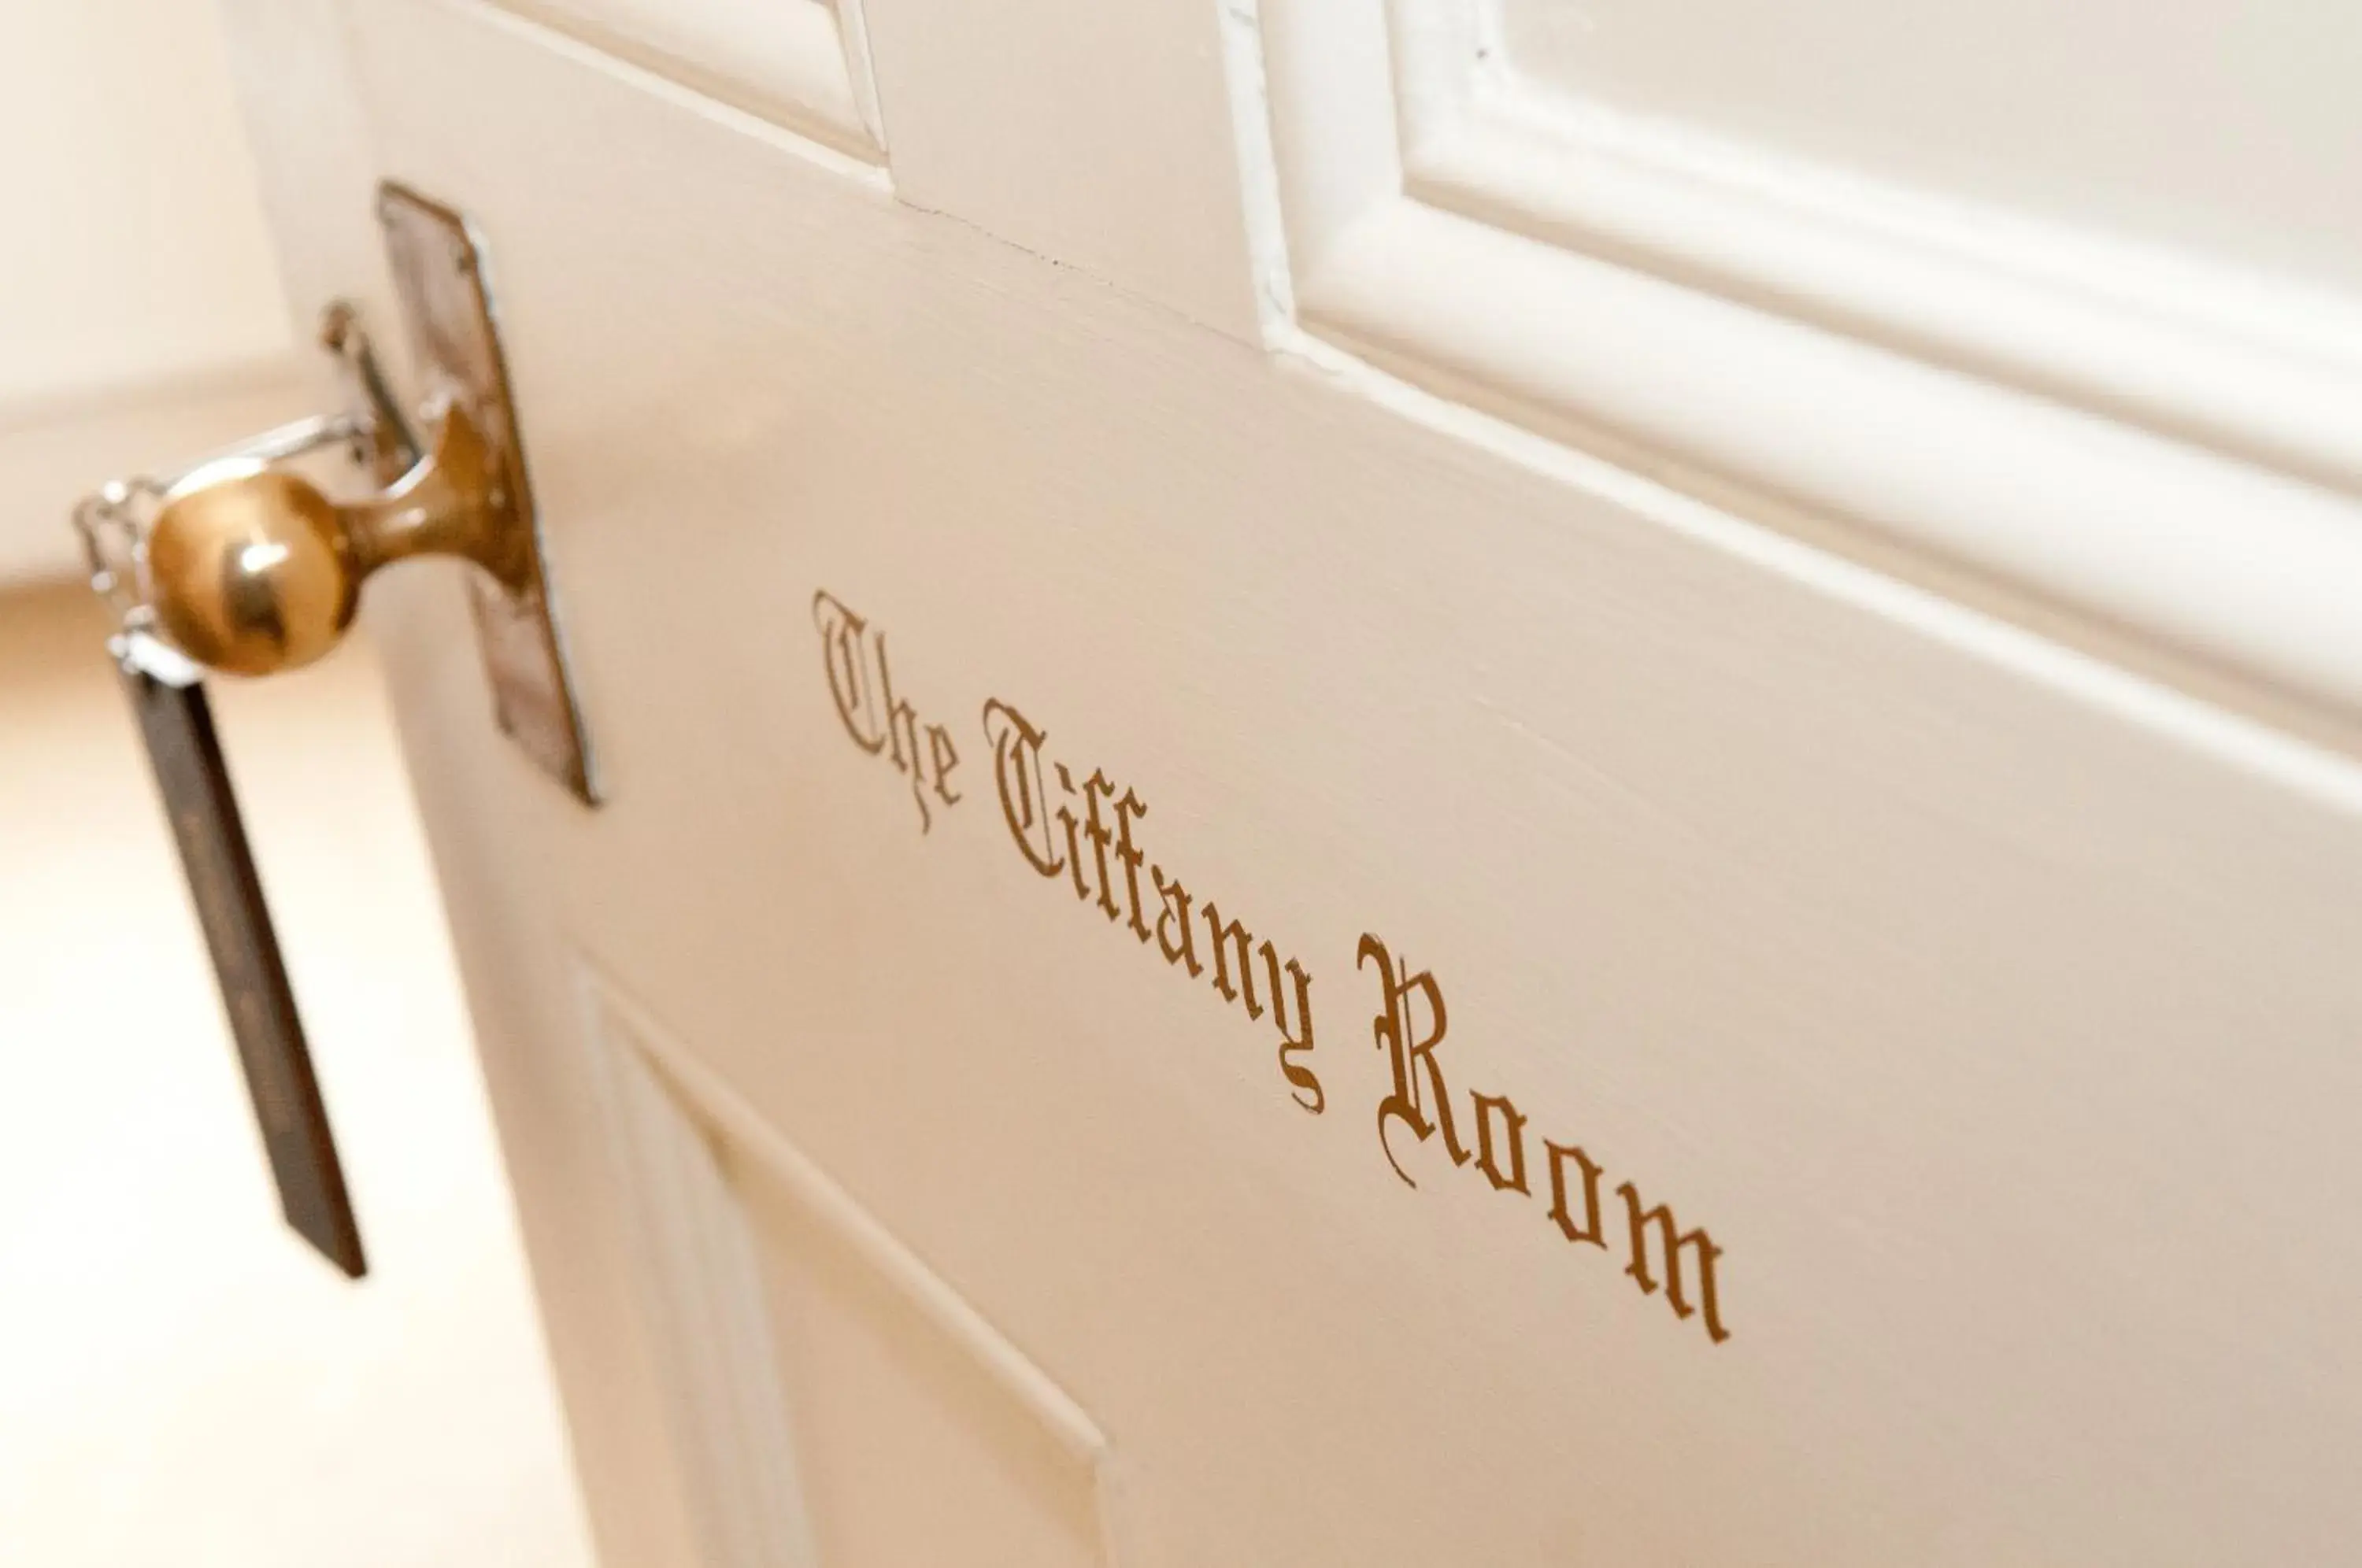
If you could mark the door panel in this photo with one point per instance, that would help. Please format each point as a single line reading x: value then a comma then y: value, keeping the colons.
x: 911, y: 1449
x: 2218, y: 126
x: 1895, y: 1063
x: 2021, y: 414
x: 801, y: 63
x: 1098, y: 136
x: 919, y: 1434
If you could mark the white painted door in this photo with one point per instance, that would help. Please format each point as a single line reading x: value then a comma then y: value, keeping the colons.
x: 1511, y: 784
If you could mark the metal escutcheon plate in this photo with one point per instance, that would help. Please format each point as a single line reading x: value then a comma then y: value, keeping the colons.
x: 438, y: 273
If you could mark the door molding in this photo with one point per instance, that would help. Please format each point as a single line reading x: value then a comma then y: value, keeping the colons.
x: 700, y: 1289
x: 801, y: 64
x: 2160, y: 445
x: 679, y: 1138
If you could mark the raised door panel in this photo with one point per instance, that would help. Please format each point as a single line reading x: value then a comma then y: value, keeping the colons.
x: 1101, y: 136
x: 803, y: 63
x: 2141, y: 437
x: 2215, y: 126
x: 834, y: 1399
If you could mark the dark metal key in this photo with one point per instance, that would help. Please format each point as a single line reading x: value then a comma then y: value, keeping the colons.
x: 177, y: 722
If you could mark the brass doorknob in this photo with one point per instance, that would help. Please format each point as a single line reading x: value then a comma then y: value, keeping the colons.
x: 252, y: 570
x: 246, y: 566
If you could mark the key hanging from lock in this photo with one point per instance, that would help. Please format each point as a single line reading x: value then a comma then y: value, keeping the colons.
x: 166, y: 689
x: 244, y: 566
x: 176, y: 721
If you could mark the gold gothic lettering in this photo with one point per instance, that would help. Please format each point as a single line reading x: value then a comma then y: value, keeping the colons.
x: 1096, y: 851
x: 1420, y: 1103
x: 1085, y: 835
x: 1418, y: 1100
x: 854, y: 656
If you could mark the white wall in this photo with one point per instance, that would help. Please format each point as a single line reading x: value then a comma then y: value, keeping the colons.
x: 141, y: 317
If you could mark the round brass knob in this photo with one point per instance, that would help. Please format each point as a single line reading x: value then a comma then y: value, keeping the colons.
x: 250, y: 569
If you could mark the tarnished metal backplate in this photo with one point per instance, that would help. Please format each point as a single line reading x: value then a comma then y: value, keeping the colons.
x: 439, y: 273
